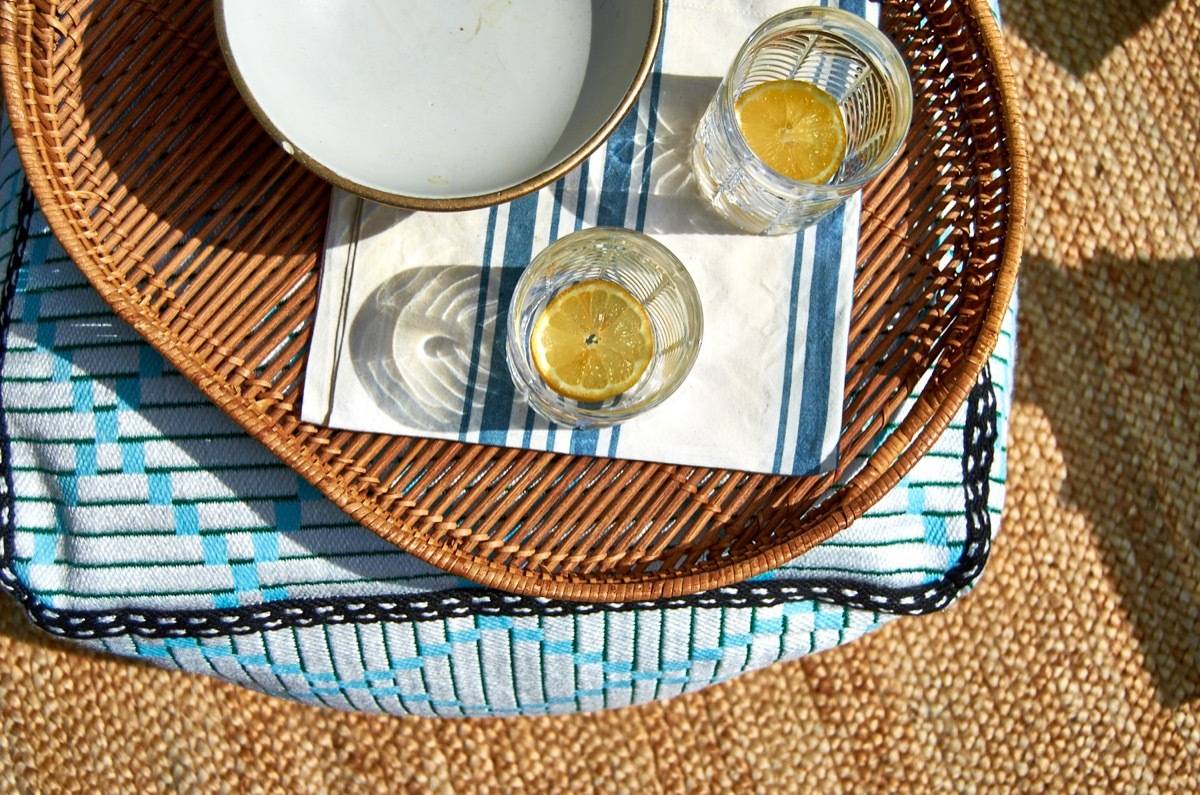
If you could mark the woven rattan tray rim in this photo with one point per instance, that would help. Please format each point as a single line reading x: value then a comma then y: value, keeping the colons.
x: 918, y: 431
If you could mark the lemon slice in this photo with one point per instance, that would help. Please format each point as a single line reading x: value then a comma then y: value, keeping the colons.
x: 592, y: 342
x: 795, y: 128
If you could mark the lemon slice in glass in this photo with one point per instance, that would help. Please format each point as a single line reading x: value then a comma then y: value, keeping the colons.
x: 795, y: 128
x: 592, y: 342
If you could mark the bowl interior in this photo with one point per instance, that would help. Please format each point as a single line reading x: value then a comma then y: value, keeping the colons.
x: 435, y: 100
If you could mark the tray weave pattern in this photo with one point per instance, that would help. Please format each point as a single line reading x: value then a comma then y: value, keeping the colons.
x: 205, y: 237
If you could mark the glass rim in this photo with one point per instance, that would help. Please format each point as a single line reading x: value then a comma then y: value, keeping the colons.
x: 874, y: 45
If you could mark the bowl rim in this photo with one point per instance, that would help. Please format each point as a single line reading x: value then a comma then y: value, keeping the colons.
x: 454, y: 203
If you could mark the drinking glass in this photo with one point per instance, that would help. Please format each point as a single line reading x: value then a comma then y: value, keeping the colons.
x: 655, y: 277
x: 838, y: 52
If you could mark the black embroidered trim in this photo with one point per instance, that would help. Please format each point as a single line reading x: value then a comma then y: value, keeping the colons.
x: 980, y: 438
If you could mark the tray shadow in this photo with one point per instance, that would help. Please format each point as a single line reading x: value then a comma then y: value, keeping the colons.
x: 1079, y: 36
x: 1105, y: 333
x: 168, y: 129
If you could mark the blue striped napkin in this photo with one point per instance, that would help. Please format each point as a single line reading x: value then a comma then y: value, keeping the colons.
x: 410, y: 330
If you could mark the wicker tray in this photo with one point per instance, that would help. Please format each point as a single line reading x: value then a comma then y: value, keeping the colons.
x: 205, y: 237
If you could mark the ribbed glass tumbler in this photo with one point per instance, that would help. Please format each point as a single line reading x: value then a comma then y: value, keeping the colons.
x: 653, y: 275
x: 839, y: 53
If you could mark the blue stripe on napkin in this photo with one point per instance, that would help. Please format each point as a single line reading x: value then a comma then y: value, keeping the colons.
x: 614, y: 201
x: 814, y: 401
x: 619, y: 186
x: 647, y: 163
x: 785, y: 402
x: 473, y: 373
x: 518, y: 250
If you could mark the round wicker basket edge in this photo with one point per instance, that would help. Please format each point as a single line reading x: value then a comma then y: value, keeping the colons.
x: 47, y: 131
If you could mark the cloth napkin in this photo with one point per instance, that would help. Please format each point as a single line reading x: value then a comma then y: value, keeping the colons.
x: 410, y: 330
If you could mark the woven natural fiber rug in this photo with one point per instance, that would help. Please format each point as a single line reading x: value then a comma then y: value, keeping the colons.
x: 1075, y: 663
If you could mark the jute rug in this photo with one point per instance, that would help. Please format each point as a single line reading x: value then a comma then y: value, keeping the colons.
x: 1075, y: 664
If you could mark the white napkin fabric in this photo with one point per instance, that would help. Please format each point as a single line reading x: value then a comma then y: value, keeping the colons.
x: 410, y: 334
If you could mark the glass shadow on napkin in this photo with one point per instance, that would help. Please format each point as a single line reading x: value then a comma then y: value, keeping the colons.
x: 411, y: 344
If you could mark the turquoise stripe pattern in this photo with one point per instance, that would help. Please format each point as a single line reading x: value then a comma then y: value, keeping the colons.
x: 464, y: 667
x: 134, y: 504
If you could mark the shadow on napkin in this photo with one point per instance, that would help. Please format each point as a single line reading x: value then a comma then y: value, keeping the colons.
x: 411, y: 345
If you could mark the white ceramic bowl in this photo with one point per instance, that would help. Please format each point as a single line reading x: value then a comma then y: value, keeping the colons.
x: 440, y: 104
